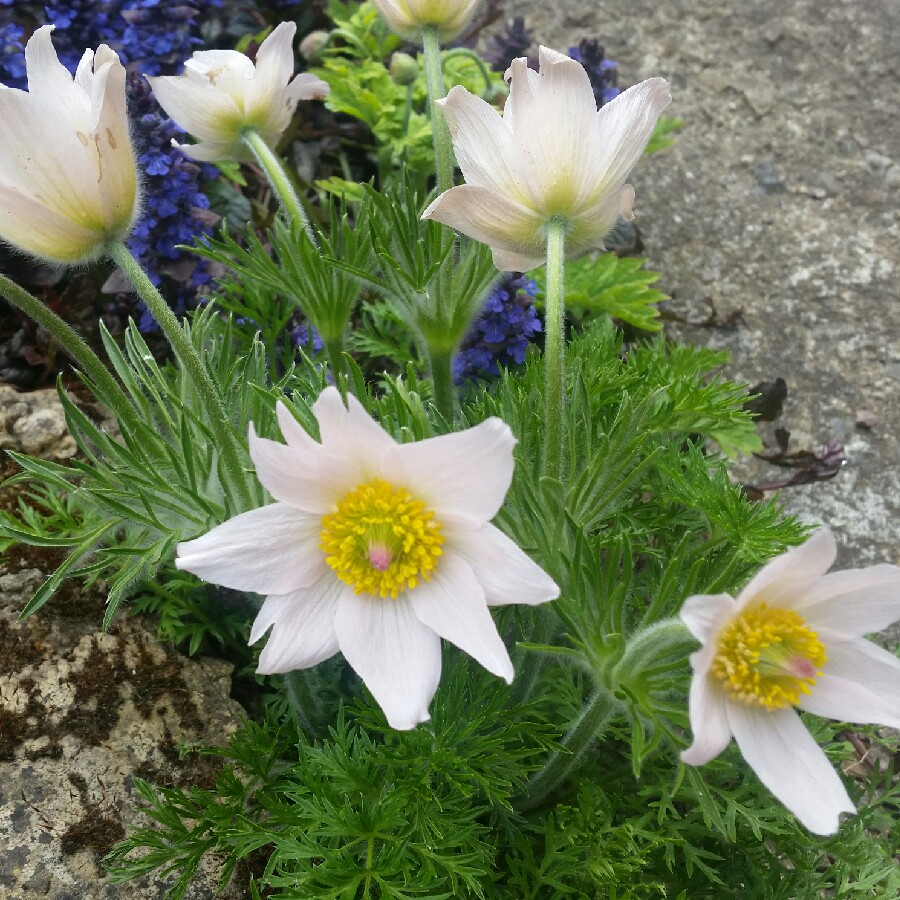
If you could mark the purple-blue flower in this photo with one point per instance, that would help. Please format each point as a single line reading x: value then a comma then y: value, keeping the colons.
x: 501, y: 335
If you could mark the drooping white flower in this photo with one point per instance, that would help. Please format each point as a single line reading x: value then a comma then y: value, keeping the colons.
x: 793, y: 638
x: 552, y: 154
x: 376, y: 550
x: 68, y: 182
x: 407, y: 17
x: 222, y: 93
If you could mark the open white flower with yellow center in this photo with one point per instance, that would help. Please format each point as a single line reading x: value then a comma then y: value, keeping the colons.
x: 376, y: 550
x: 551, y: 155
x: 794, y: 638
x: 408, y: 17
x: 222, y: 93
x: 68, y: 182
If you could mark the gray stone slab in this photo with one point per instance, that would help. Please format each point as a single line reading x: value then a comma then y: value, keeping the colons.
x: 779, y: 200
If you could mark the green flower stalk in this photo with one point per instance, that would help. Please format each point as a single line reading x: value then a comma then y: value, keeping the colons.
x: 107, y: 388
x: 554, y: 348
x: 187, y: 355
x: 434, y: 79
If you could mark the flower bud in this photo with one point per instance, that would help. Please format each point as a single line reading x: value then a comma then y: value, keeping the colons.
x: 408, y: 17
x: 404, y: 69
x: 313, y: 44
x: 68, y: 181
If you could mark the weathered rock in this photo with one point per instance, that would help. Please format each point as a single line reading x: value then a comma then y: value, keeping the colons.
x: 81, y: 714
x: 34, y: 423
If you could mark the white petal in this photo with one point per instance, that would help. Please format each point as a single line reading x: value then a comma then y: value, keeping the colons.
x: 507, y: 261
x: 117, y: 181
x: 211, y: 64
x: 452, y: 604
x: 46, y: 74
x: 506, y: 574
x: 791, y: 765
x: 486, y: 150
x: 625, y: 126
x: 265, y: 103
x: 210, y: 151
x: 860, y: 683
x: 306, y: 86
x: 84, y: 72
x: 709, y: 722
x: 704, y: 614
x: 199, y: 108
x: 37, y: 229
x: 303, y: 478
x: 348, y: 428
x: 466, y: 473
x: 270, y: 550
x: 275, y: 57
x: 397, y: 657
x: 554, y: 120
x: 303, y: 634
x: 853, y: 602
x: 588, y: 228
x: 292, y: 431
x: 788, y: 576
x: 493, y: 219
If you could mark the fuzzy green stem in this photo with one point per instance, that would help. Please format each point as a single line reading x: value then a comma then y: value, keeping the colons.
x: 189, y: 358
x: 302, y: 704
x: 334, y: 350
x: 434, y: 80
x: 271, y: 164
x: 593, y: 719
x: 554, y: 348
x: 75, y: 347
x: 442, y: 379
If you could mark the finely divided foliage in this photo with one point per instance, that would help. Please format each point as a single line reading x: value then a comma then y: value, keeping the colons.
x: 475, y: 642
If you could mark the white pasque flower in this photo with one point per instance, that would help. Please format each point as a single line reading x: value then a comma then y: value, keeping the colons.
x: 377, y: 550
x: 407, y: 17
x: 793, y: 637
x: 222, y: 94
x: 551, y: 155
x: 68, y: 182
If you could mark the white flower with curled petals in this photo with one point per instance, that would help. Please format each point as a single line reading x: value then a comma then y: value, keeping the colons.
x: 794, y: 638
x: 408, y: 17
x: 376, y: 550
x: 222, y: 94
x: 68, y: 181
x: 551, y: 155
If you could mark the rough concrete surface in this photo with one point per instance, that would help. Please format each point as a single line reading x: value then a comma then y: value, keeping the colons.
x: 779, y: 200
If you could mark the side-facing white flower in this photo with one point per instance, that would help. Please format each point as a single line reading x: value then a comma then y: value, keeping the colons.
x: 377, y: 550
x: 551, y: 155
x: 68, y: 182
x: 794, y: 637
x: 407, y: 17
x: 222, y: 93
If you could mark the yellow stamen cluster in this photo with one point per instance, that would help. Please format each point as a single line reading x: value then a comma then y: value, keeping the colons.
x: 380, y: 540
x: 768, y: 657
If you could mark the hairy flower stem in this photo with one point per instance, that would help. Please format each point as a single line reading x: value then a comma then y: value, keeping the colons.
x: 434, y: 80
x: 442, y: 379
x: 542, y: 787
x: 270, y: 163
x: 302, y: 704
x: 109, y: 391
x: 554, y: 348
x: 334, y: 350
x: 189, y: 358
